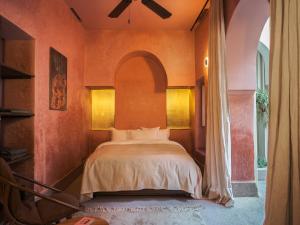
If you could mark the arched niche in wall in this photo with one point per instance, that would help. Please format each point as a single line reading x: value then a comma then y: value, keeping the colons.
x: 242, y: 40
x: 140, y: 84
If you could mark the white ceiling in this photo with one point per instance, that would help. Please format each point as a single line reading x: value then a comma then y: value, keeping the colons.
x: 94, y: 14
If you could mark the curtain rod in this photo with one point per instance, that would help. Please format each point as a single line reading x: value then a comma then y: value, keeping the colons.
x: 199, y: 15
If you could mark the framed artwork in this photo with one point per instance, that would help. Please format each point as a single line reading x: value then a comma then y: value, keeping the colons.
x: 57, y: 81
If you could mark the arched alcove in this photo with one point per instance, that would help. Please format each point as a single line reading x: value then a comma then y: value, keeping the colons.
x: 140, y: 84
x: 242, y: 39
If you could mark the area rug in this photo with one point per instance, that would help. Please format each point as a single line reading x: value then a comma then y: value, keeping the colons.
x: 155, y: 215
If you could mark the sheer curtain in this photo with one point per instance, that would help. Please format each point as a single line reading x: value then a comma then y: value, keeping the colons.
x: 283, y: 182
x: 217, y: 177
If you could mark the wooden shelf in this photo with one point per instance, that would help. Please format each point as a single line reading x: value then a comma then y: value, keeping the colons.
x: 15, y: 113
x: 10, y: 73
x: 21, y: 159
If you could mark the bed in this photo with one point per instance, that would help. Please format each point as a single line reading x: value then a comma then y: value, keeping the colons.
x: 133, y: 165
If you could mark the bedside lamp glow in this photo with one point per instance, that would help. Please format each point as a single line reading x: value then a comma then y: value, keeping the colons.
x: 103, y: 109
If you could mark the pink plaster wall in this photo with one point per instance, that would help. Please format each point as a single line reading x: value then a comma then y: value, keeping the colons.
x: 105, y: 49
x: 140, y: 94
x: 242, y: 39
x: 60, y: 137
x: 229, y: 7
x: 242, y: 131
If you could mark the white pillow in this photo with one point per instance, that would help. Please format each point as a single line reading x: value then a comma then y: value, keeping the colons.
x: 147, y: 134
x: 119, y: 135
x: 154, y: 129
x: 163, y: 134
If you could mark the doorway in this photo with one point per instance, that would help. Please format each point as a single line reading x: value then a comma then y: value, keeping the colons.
x: 262, y: 100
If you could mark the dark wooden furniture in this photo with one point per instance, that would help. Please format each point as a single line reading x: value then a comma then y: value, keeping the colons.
x: 10, y: 73
x: 21, y: 159
x: 47, y: 210
x: 17, y: 93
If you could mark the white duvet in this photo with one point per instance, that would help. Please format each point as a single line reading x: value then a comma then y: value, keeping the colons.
x: 138, y: 165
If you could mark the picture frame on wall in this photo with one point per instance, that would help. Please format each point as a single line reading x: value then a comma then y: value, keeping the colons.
x: 58, y: 81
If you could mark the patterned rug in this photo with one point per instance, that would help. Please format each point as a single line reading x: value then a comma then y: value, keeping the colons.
x: 164, y: 215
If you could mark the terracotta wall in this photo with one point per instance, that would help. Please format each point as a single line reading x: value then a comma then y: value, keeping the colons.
x: 242, y: 133
x: 140, y: 94
x: 106, y: 48
x: 104, y: 51
x: 60, y: 137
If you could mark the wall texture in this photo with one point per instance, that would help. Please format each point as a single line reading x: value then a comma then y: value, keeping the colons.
x: 242, y: 39
x: 60, y: 137
x: 140, y: 94
x: 229, y: 7
x: 106, y: 48
x: 242, y: 131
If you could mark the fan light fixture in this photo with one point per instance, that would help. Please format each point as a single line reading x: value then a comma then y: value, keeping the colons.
x: 150, y: 4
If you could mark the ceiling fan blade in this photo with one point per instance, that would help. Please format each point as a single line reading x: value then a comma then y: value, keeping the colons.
x: 158, y: 9
x: 117, y: 11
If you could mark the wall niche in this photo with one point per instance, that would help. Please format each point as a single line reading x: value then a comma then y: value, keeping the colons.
x: 17, y: 96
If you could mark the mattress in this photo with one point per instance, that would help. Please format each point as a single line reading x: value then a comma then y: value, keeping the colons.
x: 140, y: 165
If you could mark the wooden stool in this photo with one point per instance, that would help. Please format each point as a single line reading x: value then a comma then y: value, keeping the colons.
x: 98, y: 221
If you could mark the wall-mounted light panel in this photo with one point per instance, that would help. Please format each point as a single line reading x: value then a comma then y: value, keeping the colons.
x: 179, y: 108
x: 103, y: 109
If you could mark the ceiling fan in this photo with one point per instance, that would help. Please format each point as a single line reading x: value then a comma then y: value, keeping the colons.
x: 151, y: 4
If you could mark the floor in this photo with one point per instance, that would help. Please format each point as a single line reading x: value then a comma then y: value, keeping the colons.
x: 247, y: 211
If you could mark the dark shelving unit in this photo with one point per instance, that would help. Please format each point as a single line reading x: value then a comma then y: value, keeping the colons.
x: 21, y: 159
x: 17, y: 95
x: 22, y: 113
x: 7, y: 72
x: 11, y: 73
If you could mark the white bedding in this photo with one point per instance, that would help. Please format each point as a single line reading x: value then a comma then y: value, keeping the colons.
x: 138, y: 165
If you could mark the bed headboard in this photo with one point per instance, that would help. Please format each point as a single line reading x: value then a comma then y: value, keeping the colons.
x: 140, y: 99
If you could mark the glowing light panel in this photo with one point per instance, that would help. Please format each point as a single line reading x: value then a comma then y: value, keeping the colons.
x: 178, y: 108
x: 103, y: 109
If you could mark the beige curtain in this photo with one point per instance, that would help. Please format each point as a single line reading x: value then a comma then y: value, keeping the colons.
x: 217, y: 177
x: 283, y: 182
